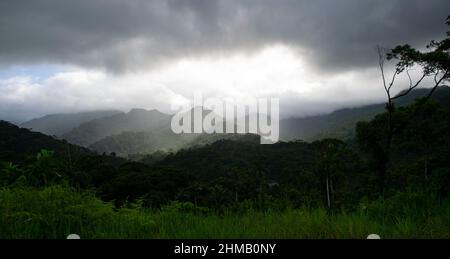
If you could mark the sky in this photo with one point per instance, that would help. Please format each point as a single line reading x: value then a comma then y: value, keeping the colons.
x: 60, y: 56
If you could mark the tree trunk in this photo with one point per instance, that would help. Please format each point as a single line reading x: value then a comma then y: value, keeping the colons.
x: 328, y: 193
x: 331, y: 190
x: 384, y: 168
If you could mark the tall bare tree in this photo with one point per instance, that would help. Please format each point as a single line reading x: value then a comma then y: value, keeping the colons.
x: 432, y: 63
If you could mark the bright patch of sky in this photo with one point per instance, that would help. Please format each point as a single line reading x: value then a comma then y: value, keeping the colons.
x: 36, y: 72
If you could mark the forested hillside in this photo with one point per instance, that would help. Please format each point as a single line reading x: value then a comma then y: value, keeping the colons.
x: 341, y: 123
x: 141, y: 132
x: 237, y: 176
x: 275, y: 171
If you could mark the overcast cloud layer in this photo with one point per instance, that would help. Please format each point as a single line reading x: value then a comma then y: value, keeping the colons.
x: 330, y: 37
x: 122, y: 35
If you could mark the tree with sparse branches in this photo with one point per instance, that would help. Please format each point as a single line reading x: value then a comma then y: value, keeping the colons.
x: 433, y: 63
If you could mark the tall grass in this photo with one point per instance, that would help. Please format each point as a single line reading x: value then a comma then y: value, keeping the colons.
x: 57, y: 211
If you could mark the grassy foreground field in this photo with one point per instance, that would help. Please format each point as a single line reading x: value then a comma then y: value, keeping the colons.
x: 57, y: 211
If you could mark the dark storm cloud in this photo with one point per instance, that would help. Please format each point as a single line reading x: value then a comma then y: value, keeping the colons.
x: 129, y: 34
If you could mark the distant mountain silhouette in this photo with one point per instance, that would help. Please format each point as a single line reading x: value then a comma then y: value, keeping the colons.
x: 137, y: 120
x: 142, y: 131
x: 160, y: 138
x: 58, y: 124
x: 341, y: 123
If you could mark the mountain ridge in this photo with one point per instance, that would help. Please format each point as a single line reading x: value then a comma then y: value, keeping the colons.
x: 147, y: 131
x: 60, y: 123
x: 341, y: 123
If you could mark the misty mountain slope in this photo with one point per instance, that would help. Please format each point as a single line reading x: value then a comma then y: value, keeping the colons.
x: 341, y: 123
x: 148, y: 134
x: 58, y: 124
x: 136, y: 120
x: 132, y: 143
x: 144, y: 132
x: 145, y: 142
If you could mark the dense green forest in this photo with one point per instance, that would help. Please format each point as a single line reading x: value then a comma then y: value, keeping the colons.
x: 327, y: 188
